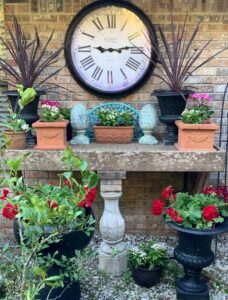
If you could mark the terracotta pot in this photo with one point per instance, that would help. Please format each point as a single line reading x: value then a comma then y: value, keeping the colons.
x: 196, y: 136
x: 114, y: 134
x: 17, y: 139
x: 51, y: 135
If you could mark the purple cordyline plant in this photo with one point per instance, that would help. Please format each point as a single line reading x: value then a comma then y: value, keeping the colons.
x: 30, y: 59
x: 177, y: 59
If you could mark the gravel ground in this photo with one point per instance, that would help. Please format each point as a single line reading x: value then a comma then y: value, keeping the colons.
x: 101, y: 286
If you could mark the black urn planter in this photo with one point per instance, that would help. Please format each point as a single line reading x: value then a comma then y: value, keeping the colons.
x: 145, y: 277
x: 194, y: 253
x: 171, y: 105
x: 29, y: 113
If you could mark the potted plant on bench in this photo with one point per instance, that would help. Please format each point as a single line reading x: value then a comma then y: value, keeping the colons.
x: 177, y: 60
x: 114, y: 127
x: 15, y: 132
x: 196, y: 131
x: 51, y: 128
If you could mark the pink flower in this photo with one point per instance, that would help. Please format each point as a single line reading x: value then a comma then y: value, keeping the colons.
x: 51, y: 103
x: 199, y: 96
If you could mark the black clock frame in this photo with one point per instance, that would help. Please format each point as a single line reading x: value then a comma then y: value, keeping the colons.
x: 68, y: 38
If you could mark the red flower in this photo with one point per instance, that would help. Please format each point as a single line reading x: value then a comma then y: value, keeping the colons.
x: 82, y: 203
x: 9, y: 211
x: 175, y: 217
x: 68, y: 182
x: 89, y: 198
x: 52, y: 204
x: 209, y: 190
x: 167, y: 192
x: 5, y: 193
x: 157, y: 207
x: 179, y: 220
x: 210, y: 213
x: 225, y: 196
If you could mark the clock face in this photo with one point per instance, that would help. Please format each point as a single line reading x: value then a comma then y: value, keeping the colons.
x: 109, y: 48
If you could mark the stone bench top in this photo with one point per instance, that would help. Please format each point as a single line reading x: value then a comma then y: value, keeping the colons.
x: 132, y: 157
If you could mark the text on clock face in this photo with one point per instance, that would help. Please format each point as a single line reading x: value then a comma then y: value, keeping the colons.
x: 110, y: 49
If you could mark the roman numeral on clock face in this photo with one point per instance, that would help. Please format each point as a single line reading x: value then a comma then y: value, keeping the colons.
x: 109, y: 77
x: 125, y: 76
x: 87, y: 62
x: 89, y: 35
x: 137, y: 50
x: 98, y: 24
x: 132, y: 64
x: 84, y: 49
x: 97, y: 73
x: 111, y: 21
x: 134, y: 36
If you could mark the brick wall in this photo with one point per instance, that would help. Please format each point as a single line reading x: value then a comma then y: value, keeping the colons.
x: 139, y: 188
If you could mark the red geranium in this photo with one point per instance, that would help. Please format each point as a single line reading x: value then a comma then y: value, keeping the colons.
x: 52, y: 204
x: 9, y: 211
x: 210, y: 213
x: 89, y: 198
x: 209, y: 190
x: 167, y: 192
x: 5, y: 193
x: 175, y: 217
x: 157, y: 207
x: 68, y: 182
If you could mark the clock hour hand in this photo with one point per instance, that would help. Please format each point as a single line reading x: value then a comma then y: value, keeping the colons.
x: 118, y: 50
x: 102, y: 50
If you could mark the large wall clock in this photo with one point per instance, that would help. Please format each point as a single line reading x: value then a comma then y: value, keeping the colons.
x: 109, y: 48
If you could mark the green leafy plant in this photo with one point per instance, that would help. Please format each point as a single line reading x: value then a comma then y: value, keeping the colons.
x: 14, y: 124
x: 65, y: 112
x: 199, y: 211
x: 148, y: 255
x: 107, y: 117
x: 199, y: 110
x: 44, y: 212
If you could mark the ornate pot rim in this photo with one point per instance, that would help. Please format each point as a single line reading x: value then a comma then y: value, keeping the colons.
x: 221, y: 228
x: 164, y: 93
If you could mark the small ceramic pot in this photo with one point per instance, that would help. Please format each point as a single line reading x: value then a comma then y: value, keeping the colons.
x: 17, y: 139
x: 114, y: 134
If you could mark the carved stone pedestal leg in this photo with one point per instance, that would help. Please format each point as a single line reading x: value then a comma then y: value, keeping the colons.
x: 112, y: 253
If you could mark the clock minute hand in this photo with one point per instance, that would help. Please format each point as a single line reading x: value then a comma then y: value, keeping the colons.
x: 101, y: 49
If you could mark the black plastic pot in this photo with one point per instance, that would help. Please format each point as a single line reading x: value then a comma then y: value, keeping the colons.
x: 194, y: 253
x: 70, y: 290
x: 71, y: 241
x: 69, y: 131
x: 29, y: 113
x: 171, y: 105
x: 145, y: 277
